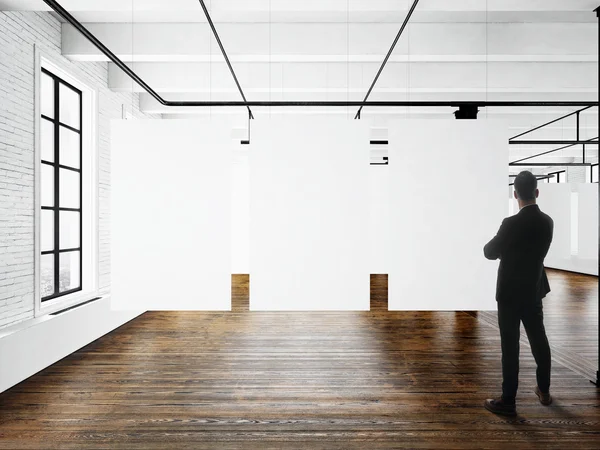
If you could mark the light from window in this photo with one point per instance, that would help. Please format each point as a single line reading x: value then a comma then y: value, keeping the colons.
x: 61, y: 187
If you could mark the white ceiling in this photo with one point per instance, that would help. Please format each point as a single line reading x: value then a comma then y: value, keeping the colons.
x: 323, y: 11
x: 331, y: 50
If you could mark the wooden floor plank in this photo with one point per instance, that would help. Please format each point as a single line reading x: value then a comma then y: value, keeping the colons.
x: 262, y: 380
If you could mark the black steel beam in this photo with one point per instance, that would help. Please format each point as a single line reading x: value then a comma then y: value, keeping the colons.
x: 100, y: 46
x: 247, y: 104
x: 550, y: 164
x: 390, y: 103
x: 538, y: 177
x: 552, y: 151
x: 551, y: 122
x: 591, y: 142
x: 389, y: 53
x: 214, y: 30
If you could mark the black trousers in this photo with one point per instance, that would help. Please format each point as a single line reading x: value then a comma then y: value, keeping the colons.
x: 510, y: 316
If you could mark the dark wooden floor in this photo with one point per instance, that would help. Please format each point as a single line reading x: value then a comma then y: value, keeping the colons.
x: 571, y: 319
x: 301, y: 380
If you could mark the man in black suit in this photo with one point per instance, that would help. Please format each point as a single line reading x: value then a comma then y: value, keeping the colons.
x: 521, y: 245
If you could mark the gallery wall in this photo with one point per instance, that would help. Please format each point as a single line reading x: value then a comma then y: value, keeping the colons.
x: 171, y: 203
x: 423, y: 219
x: 574, y: 210
x: 447, y: 200
x: 309, y: 182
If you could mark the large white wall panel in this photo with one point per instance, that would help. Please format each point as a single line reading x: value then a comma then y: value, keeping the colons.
x: 379, y: 205
x: 240, y: 215
x: 309, y: 187
x: 574, y: 209
x: 171, y: 215
x: 378, y: 219
x: 447, y: 200
x: 555, y: 200
x: 588, y: 222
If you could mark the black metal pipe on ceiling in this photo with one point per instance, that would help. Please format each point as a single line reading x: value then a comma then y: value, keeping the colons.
x: 551, y: 122
x: 58, y: 9
x: 550, y: 164
x: 218, y: 39
x: 552, y: 151
x: 389, y: 53
x: 387, y: 103
x: 554, y: 142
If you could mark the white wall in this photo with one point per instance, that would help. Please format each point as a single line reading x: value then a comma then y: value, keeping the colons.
x: 447, y: 200
x: 240, y: 218
x: 309, y: 214
x: 25, y: 350
x: 378, y: 217
x: 19, y: 32
x: 171, y: 215
x: 574, y: 209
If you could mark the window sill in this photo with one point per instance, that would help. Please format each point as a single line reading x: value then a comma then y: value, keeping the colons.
x: 67, y: 301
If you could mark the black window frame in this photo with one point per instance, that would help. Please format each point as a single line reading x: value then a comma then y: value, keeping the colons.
x: 592, y: 173
x: 56, y: 209
x: 558, y: 176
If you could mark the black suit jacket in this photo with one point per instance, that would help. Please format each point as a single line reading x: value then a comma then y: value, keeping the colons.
x: 522, y: 244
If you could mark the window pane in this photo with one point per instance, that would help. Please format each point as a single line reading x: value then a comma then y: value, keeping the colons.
x: 47, y: 275
x: 69, y: 106
x: 69, y: 230
x: 47, y: 185
x: 595, y: 174
x: 47, y: 140
x: 69, y: 189
x: 69, y: 148
x: 47, y: 96
x: 47, y: 230
x: 68, y: 277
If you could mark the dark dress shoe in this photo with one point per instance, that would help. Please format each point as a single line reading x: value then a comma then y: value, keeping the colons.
x: 545, y: 399
x: 499, y: 406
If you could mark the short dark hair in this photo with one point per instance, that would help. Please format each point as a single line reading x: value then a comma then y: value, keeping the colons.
x: 525, y: 185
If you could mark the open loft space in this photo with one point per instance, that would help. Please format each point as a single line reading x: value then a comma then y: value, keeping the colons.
x: 281, y: 224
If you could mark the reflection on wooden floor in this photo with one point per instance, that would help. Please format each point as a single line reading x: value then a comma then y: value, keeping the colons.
x: 571, y: 319
x: 262, y: 380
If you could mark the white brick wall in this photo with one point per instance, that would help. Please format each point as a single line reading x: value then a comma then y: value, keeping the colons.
x: 577, y: 174
x: 19, y: 31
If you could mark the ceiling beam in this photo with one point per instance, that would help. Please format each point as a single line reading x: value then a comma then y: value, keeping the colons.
x: 387, y: 57
x: 218, y: 39
x: 317, y: 42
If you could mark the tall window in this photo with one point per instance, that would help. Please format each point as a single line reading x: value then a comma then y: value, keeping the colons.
x: 61, y: 187
x: 594, y: 173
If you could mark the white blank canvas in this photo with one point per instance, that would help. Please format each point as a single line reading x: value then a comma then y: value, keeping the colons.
x: 309, y: 188
x: 171, y: 215
x: 447, y: 200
